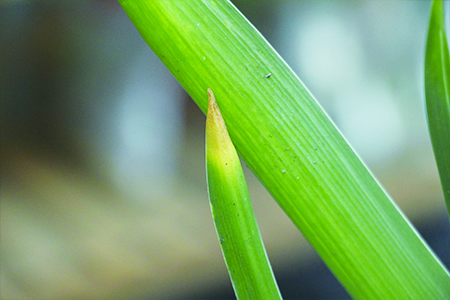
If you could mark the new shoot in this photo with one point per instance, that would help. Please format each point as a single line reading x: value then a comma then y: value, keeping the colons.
x: 239, y: 237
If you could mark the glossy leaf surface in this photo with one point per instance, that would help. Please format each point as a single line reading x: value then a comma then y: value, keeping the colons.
x: 293, y: 148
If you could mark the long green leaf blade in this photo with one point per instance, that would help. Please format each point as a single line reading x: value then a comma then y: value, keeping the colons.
x: 437, y: 92
x: 293, y: 148
x: 235, y: 222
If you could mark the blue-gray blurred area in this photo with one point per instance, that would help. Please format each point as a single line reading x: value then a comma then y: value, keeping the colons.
x: 103, y: 191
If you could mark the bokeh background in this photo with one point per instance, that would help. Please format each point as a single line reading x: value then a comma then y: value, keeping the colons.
x: 103, y: 191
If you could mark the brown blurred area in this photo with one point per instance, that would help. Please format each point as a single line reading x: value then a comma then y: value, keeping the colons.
x: 103, y: 191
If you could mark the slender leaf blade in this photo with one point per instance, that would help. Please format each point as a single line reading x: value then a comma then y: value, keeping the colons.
x: 239, y: 237
x: 293, y: 148
x: 437, y: 92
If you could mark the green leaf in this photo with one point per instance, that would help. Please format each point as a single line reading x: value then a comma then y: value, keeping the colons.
x: 437, y: 92
x: 294, y: 149
x: 232, y: 211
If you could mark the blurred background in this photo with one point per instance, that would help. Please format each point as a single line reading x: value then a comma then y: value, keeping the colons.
x: 103, y: 191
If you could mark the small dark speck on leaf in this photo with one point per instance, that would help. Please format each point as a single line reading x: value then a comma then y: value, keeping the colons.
x: 268, y: 75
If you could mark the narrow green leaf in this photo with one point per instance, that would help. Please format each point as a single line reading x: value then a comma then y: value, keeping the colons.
x: 437, y: 92
x: 232, y: 211
x: 290, y: 144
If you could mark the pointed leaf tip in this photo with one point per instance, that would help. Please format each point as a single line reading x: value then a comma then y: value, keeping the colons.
x: 212, y: 105
x: 218, y: 142
x: 213, y: 108
x: 211, y: 96
x: 236, y: 226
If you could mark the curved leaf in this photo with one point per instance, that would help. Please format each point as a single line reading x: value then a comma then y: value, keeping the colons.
x: 437, y: 92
